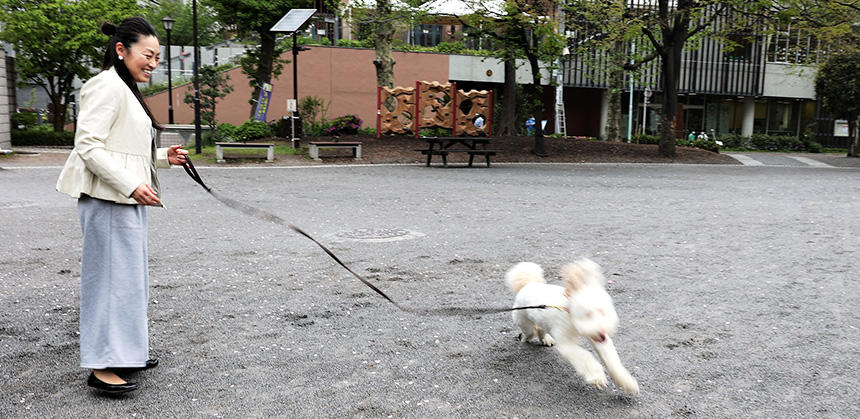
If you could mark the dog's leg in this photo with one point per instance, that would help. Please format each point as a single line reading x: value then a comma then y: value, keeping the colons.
x: 583, y: 362
x: 619, y: 374
x: 544, y: 337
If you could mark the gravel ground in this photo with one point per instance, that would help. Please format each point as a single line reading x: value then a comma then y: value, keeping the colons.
x: 736, y: 287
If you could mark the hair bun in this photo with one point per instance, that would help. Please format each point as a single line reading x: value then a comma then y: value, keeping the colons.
x: 108, y: 28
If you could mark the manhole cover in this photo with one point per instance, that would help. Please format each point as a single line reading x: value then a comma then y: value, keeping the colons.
x: 378, y: 234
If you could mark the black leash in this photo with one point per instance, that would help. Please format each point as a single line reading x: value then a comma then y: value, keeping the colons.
x: 263, y: 215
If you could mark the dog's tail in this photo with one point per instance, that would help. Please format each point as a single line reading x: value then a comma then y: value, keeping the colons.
x: 523, y: 273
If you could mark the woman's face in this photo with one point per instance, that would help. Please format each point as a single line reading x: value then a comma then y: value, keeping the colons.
x: 141, y: 58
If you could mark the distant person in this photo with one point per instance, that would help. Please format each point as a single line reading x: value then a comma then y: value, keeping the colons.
x: 692, y: 136
x: 530, y: 125
x: 478, y: 121
x: 112, y: 173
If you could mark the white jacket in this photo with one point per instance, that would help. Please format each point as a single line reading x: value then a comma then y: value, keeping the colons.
x: 114, y: 144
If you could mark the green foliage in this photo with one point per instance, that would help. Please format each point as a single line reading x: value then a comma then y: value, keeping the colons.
x: 313, y: 109
x: 367, y: 131
x: 209, y: 31
x: 41, y: 137
x: 354, y: 43
x: 837, y: 84
x: 254, y: 18
x: 454, y: 47
x: 253, y: 129
x: 213, y: 86
x: 57, y: 40
x: 344, y: 125
x: 307, y: 40
x: 24, y: 120
x: 764, y: 142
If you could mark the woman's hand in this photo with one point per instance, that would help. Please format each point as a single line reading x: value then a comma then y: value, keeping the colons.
x: 145, y: 195
x: 176, y: 155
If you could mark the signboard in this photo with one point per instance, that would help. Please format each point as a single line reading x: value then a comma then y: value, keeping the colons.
x: 263, y: 102
x: 291, y: 105
x: 840, y: 128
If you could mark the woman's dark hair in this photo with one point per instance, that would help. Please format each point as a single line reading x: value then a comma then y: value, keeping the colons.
x: 128, y: 32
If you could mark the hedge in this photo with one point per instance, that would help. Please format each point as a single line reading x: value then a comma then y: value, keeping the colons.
x: 21, y: 137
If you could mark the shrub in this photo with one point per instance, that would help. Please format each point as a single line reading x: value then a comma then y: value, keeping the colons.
x: 367, y: 131
x: 349, y: 43
x: 343, y: 125
x: 455, y: 47
x: 813, y: 147
x: 225, y: 132
x: 24, y: 120
x: 40, y: 137
x: 253, y: 129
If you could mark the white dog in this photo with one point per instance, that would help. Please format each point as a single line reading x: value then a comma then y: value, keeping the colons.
x: 580, y: 308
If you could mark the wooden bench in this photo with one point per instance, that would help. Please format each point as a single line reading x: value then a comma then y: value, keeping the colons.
x: 482, y: 152
x: 315, y: 146
x: 219, y: 150
x: 472, y: 153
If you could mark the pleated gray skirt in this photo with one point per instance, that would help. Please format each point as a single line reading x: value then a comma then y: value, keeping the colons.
x: 114, y: 284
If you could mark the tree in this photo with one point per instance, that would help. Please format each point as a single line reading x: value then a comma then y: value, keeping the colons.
x: 255, y: 18
x: 378, y: 20
x: 208, y: 29
x: 524, y: 29
x: 213, y: 86
x: 56, y: 41
x: 837, y: 85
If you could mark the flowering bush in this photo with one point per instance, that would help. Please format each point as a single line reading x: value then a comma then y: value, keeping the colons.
x: 347, y: 124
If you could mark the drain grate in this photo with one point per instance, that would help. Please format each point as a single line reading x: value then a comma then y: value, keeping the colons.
x: 378, y: 234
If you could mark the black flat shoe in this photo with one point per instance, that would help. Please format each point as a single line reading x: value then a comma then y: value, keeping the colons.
x: 97, y: 384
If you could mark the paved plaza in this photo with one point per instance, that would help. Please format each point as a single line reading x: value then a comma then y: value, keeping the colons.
x: 736, y: 287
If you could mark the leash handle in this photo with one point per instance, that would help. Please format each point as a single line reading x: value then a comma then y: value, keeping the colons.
x: 192, y: 171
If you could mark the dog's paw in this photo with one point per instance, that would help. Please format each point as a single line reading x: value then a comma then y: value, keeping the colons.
x: 628, y: 384
x: 598, y: 381
x: 547, y: 340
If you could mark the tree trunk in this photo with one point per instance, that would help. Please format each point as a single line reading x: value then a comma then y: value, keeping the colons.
x: 382, y: 40
x: 615, y: 91
x: 673, y: 42
x: 264, y: 68
x: 507, y: 122
x: 537, y: 106
x: 670, y: 106
x: 854, y: 132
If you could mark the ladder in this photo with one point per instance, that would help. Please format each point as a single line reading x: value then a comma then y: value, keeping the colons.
x: 560, y: 120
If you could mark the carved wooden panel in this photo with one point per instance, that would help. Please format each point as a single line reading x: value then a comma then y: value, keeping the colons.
x: 473, y: 112
x: 397, y: 110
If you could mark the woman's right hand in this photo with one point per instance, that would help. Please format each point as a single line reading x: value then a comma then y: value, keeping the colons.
x: 145, y: 195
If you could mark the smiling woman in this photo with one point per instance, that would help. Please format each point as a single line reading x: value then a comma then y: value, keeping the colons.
x: 112, y: 173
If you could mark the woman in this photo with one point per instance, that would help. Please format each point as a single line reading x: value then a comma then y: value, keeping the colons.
x: 112, y: 172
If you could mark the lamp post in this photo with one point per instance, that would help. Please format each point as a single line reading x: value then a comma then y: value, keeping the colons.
x: 168, y: 25
x: 198, y: 146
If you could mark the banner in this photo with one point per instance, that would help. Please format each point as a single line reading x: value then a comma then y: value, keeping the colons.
x: 263, y: 102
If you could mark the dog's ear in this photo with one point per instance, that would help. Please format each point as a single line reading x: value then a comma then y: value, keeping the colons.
x: 573, y: 277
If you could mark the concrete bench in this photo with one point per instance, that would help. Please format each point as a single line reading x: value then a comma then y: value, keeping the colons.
x: 315, y: 146
x: 219, y: 150
x: 181, y: 134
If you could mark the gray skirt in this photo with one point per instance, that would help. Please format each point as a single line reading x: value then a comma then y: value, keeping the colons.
x: 114, y: 284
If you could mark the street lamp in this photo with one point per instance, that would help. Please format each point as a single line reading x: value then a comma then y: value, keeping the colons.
x: 168, y: 25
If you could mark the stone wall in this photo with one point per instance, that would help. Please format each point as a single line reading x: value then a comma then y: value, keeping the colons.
x: 5, y: 122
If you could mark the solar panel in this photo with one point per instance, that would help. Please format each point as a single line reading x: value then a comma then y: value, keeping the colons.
x: 293, y: 20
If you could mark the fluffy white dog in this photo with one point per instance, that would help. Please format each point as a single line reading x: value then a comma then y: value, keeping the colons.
x: 580, y: 308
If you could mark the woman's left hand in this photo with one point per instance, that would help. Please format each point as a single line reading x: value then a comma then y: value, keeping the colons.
x: 176, y: 155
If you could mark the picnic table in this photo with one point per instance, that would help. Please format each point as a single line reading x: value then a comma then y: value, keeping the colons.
x: 442, y: 146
